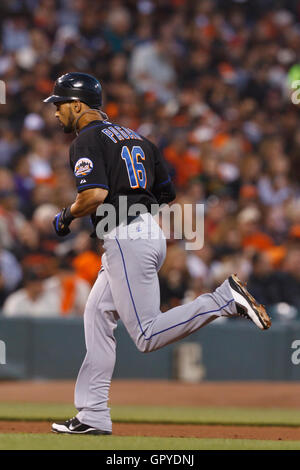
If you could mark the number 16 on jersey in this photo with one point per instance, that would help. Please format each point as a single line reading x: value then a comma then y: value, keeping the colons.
x: 135, y: 169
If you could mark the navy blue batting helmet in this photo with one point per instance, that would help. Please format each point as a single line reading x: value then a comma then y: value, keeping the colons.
x: 77, y: 86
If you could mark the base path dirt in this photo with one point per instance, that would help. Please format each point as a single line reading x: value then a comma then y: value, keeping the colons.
x: 164, y: 393
x: 170, y: 430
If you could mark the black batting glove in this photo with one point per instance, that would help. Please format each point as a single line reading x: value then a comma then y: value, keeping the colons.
x: 62, y: 221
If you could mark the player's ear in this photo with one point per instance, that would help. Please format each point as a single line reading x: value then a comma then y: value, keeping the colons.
x: 76, y: 106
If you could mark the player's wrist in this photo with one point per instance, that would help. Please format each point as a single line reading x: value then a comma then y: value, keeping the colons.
x: 67, y: 215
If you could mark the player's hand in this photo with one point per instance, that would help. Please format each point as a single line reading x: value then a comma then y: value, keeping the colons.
x: 62, y: 221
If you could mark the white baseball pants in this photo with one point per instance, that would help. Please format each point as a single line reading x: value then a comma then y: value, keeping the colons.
x: 127, y: 287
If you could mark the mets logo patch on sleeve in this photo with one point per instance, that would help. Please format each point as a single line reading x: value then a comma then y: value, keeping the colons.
x: 83, y: 167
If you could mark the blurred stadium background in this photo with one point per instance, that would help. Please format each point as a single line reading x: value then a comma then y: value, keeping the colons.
x: 210, y: 83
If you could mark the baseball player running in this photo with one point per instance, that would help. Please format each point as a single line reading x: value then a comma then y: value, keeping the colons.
x: 108, y: 161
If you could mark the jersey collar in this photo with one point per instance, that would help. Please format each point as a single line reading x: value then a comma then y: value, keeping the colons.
x: 94, y: 123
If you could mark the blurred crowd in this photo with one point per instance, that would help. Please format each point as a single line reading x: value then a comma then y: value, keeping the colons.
x: 208, y: 82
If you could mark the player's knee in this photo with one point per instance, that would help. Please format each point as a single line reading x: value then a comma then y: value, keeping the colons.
x: 143, y: 345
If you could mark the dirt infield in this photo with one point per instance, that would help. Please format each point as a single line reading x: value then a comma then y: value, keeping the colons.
x: 164, y: 393
x: 171, y: 430
x: 135, y: 392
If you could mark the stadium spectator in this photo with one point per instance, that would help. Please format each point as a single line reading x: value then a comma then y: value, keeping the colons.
x: 60, y: 295
x: 10, y: 273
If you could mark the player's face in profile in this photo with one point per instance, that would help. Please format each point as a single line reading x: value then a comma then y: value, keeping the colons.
x: 65, y: 117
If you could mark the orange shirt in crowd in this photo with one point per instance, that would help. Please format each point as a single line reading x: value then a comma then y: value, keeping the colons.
x: 68, y: 294
x: 258, y: 240
x: 187, y: 165
x: 87, y: 266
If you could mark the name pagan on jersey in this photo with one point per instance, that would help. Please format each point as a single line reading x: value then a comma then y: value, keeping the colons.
x: 119, y: 134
